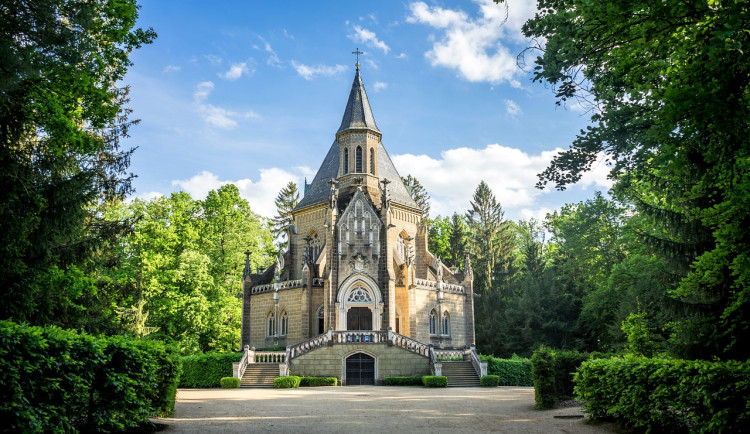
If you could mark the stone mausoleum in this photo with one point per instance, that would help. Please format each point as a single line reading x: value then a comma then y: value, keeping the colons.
x: 358, y: 296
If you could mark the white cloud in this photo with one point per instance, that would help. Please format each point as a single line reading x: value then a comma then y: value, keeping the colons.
x: 309, y: 72
x: 260, y: 193
x: 477, y: 47
x: 368, y: 38
x: 171, y: 68
x: 236, y: 71
x: 216, y: 116
x: 213, y: 59
x: 402, y: 56
x: 512, y: 108
x: 148, y: 196
x: 379, y: 85
x: 511, y: 174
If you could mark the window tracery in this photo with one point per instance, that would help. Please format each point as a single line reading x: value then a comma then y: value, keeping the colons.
x: 433, y: 323
x: 359, y: 295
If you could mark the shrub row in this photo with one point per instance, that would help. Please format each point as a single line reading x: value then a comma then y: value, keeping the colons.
x: 510, y: 372
x: 318, y: 381
x: 207, y: 370
x: 230, y: 383
x: 553, y: 372
x: 668, y: 395
x: 59, y: 380
x: 435, y: 381
x: 402, y: 381
x: 489, y: 381
x: 288, y: 382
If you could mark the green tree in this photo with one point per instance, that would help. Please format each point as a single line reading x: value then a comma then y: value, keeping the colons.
x: 61, y: 117
x: 668, y: 85
x: 286, y: 201
x: 419, y: 194
x: 457, y: 241
x: 439, y: 239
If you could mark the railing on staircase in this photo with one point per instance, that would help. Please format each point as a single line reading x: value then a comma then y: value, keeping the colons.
x: 450, y: 355
x: 479, y: 366
x: 252, y: 356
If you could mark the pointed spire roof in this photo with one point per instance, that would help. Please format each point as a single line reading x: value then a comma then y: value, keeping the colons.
x: 358, y: 115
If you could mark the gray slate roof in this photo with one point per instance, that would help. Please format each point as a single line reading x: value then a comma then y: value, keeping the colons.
x: 319, y: 188
x: 358, y: 114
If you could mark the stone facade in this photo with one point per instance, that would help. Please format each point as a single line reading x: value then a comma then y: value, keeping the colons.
x: 358, y: 260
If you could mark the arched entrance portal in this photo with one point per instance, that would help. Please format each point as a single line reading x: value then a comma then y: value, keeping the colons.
x: 360, y: 369
x: 359, y: 304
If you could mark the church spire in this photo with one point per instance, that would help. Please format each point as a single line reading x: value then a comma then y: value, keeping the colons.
x: 358, y: 115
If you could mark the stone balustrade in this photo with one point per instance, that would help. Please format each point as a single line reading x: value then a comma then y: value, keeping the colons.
x: 318, y: 281
x: 432, y: 285
x: 359, y: 337
x: 410, y: 344
x: 287, y: 284
x: 307, y: 345
x: 449, y: 355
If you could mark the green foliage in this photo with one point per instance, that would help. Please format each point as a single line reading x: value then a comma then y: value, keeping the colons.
x: 510, y: 372
x: 287, y: 382
x: 435, y: 381
x: 667, y: 395
x: 667, y: 86
x: 640, y: 342
x: 418, y: 193
x: 57, y: 380
x: 206, y: 370
x: 403, y: 381
x: 62, y: 115
x: 318, y: 381
x: 553, y: 372
x: 230, y: 382
x: 489, y: 381
x: 286, y: 201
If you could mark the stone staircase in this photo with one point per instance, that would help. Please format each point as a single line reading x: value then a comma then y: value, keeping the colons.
x: 260, y: 375
x: 460, y: 374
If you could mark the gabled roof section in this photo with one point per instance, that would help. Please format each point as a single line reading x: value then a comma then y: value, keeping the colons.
x: 358, y: 115
x: 318, y: 190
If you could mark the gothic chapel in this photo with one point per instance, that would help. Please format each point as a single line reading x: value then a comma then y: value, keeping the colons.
x: 357, y: 295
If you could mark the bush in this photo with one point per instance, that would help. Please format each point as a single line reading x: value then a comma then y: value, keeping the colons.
x: 288, y: 382
x: 403, y: 381
x: 318, y: 381
x: 207, y: 370
x: 435, y: 381
x: 230, y: 383
x: 489, y: 381
x: 666, y: 394
x: 553, y: 372
x: 511, y: 372
x: 59, y: 380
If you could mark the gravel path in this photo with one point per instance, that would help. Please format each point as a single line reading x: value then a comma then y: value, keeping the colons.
x: 370, y: 408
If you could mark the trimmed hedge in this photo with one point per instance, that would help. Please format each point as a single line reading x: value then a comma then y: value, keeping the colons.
x: 511, y: 372
x: 668, y: 395
x: 230, y: 383
x: 489, y: 381
x: 435, y: 381
x: 553, y: 372
x: 288, y: 382
x: 61, y: 380
x: 318, y: 381
x: 403, y: 381
x: 206, y: 370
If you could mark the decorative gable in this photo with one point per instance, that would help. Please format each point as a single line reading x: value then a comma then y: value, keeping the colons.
x: 359, y: 228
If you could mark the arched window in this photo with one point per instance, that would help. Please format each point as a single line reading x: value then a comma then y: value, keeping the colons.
x: 358, y: 160
x: 271, y: 325
x: 433, y: 323
x: 321, y: 320
x: 313, y: 248
x: 346, y: 161
x: 372, y: 161
x: 446, y: 324
x: 284, y: 324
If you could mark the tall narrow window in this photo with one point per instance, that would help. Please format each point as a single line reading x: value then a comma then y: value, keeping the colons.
x: 321, y: 320
x: 346, y: 161
x: 433, y: 323
x: 446, y: 324
x: 372, y: 161
x: 358, y: 160
x: 398, y: 323
x: 271, y: 331
x: 284, y: 324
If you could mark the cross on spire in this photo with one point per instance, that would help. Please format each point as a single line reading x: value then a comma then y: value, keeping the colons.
x: 357, y: 52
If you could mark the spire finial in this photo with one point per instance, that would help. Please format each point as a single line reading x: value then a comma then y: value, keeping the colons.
x: 357, y: 52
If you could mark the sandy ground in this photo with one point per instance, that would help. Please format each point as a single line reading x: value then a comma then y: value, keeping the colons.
x: 370, y: 408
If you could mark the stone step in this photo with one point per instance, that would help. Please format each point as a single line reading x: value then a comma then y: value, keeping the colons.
x: 260, y: 375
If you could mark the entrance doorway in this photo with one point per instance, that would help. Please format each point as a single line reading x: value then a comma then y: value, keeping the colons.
x: 360, y: 369
x: 359, y: 318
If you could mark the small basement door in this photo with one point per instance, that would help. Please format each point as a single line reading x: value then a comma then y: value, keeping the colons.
x: 360, y: 369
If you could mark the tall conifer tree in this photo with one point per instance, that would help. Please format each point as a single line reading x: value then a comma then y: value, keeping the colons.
x: 286, y: 201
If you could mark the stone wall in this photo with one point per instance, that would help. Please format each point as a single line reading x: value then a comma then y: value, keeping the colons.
x: 389, y: 362
x: 426, y: 300
x: 291, y: 301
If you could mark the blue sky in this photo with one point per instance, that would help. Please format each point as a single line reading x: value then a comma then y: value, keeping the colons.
x: 253, y: 92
